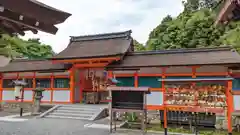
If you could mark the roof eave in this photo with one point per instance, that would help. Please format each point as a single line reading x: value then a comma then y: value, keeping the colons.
x: 128, y: 67
x: 50, y: 70
x: 87, y: 57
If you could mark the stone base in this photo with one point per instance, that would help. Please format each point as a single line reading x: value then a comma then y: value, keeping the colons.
x: 15, y: 107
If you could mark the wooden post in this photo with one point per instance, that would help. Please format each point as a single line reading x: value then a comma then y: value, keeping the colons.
x: 229, y: 106
x: 164, y: 100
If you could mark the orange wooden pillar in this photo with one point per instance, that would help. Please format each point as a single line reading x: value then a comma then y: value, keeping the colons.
x: 229, y: 106
x: 72, y: 84
x: 136, y: 79
x: 81, y: 85
x: 164, y: 103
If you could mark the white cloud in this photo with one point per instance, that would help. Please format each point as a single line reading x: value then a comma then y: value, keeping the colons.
x: 92, y: 16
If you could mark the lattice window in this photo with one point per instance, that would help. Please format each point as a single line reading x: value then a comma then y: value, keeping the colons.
x: 7, y: 83
x: 236, y: 84
x: 125, y: 81
x: 61, y: 83
x: 44, y: 82
x: 152, y: 82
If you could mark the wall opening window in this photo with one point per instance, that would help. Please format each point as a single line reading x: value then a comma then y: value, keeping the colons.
x: 236, y: 84
x: 8, y: 83
x: 61, y: 83
x: 44, y: 82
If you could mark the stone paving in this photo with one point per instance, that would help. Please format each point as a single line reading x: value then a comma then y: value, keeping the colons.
x: 55, y: 127
x: 48, y: 127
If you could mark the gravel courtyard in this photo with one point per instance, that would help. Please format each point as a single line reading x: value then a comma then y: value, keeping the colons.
x: 54, y: 127
x: 48, y: 127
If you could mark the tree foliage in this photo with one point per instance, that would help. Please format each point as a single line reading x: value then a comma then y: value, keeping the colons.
x: 194, y: 28
x: 16, y: 47
x: 138, y: 46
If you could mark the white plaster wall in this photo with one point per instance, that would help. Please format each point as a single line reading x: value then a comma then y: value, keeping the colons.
x: 28, y: 95
x: 155, y: 98
x: 8, y: 95
x: 46, y: 95
x: 61, y: 96
x: 236, y: 102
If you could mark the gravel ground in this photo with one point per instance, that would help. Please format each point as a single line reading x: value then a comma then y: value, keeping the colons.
x: 55, y: 127
x: 48, y: 127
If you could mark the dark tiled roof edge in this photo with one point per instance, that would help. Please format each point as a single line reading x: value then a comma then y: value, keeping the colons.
x: 87, y: 57
x: 172, y: 51
x: 27, y: 60
x: 125, y: 34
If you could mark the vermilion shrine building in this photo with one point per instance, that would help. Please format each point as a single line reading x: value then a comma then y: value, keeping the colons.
x: 73, y: 75
x: 79, y: 73
x: 65, y: 76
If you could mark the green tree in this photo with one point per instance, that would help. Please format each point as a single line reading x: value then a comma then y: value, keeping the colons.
x: 13, y: 46
x: 193, y: 28
x: 138, y: 46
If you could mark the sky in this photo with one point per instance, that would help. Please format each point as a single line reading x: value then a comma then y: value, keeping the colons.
x: 103, y: 16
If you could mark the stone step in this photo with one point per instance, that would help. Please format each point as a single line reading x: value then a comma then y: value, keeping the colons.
x: 75, y: 111
x: 66, y: 117
x: 72, y: 114
x: 78, y: 108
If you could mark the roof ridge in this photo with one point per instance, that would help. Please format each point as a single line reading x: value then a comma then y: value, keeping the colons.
x: 101, y: 36
x: 26, y: 60
x: 191, y: 50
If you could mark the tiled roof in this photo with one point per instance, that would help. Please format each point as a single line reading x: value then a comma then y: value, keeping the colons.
x: 180, y: 57
x: 100, y: 45
x: 31, y: 65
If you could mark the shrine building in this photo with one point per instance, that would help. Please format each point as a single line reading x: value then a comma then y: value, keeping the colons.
x: 87, y: 61
x: 78, y: 74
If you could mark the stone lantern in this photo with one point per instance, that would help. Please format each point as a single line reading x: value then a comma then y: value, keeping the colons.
x: 18, y: 88
x: 19, y: 92
x: 38, y: 95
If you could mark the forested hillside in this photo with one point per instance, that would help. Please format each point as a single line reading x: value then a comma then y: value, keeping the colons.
x: 13, y: 46
x: 194, y: 28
